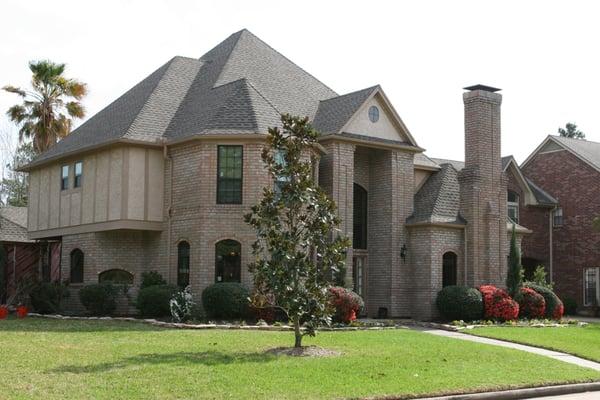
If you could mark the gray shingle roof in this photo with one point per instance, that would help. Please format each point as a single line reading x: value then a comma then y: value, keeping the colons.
x: 458, y: 165
x: 541, y: 196
x: 438, y: 199
x: 240, y: 86
x: 589, y: 151
x: 334, y: 113
x: 13, y: 224
x: 423, y: 161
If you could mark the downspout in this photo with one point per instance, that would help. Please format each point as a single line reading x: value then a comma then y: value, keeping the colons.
x: 551, y: 244
x: 167, y: 157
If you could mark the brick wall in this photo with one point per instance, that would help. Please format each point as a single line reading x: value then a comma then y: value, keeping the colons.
x: 483, y: 190
x: 576, y: 186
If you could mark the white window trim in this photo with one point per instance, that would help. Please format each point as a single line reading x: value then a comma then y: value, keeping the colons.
x: 597, y: 273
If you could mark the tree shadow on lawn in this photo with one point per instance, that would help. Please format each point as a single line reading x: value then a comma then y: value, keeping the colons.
x: 208, y: 358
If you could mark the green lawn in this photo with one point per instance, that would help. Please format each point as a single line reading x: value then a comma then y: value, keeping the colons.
x: 581, y: 341
x: 53, y: 359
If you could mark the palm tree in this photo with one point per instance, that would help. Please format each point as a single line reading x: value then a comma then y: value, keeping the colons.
x: 45, y: 115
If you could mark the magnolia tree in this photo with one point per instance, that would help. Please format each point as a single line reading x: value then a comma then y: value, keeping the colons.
x: 299, y: 247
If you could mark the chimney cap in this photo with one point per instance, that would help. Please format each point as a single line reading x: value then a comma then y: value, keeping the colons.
x: 482, y: 87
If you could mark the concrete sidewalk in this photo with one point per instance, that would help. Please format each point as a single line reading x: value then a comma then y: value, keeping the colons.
x: 530, y: 349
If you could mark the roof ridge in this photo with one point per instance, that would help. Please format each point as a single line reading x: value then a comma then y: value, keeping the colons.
x: 275, y: 50
x: 269, y: 102
x: 370, y: 88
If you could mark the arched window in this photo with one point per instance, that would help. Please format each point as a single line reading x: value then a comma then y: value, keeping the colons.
x: 116, y: 275
x: 513, y: 206
x: 449, y: 269
x: 359, y: 239
x: 183, y: 264
x: 76, y: 266
x: 228, y: 263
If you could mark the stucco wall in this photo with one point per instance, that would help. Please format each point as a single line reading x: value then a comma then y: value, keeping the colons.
x: 122, y: 183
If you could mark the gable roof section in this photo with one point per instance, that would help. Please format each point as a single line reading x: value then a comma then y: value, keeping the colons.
x: 334, y: 113
x: 586, y: 150
x: 438, y: 199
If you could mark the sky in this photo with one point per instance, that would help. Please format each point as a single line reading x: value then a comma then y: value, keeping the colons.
x: 542, y: 54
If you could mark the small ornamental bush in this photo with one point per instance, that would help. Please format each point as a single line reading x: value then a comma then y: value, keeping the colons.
x: 154, y: 301
x: 46, y: 297
x: 497, y: 304
x: 182, y: 305
x: 457, y: 303
x: 227, y: 300
x: 531, y: 304
x: 152, y: 278
x: 346, y: 303
x: 554, y: 306
x: 99, y: 299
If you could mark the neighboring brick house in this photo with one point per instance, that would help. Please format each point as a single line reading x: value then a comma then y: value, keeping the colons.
x: 568, y: 170
x: 26, y: 258
x: 160, y: 179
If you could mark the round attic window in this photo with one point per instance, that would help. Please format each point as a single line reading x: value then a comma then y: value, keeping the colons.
x: 374, y: 114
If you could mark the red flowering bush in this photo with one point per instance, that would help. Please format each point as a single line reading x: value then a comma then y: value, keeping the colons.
x: 3, y: 312
x: 346, y: 303
x: 531, y: 304
x: 22, y: 311
x: 558, y: 312
x: 498, y: 304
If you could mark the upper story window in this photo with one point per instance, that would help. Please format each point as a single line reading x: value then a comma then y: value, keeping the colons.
x: 513, y: 206
x: 360, y: 213
x: 64, y: 177
x: 229, y: 174
x: 557, y: 217
x: 280, y: 180
x: 78, y: 174
x: 373, y: 114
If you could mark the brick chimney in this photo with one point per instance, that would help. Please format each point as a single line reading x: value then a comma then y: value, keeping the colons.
x: 483, y: 188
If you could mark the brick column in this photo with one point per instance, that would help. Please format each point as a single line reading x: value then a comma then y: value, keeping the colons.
x: 336, y: 177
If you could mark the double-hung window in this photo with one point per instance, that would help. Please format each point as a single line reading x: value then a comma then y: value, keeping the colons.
x: 78, y: 174
x: 280, y: 180
x: 558, y: 217
x: 64, y: 177
x: 591, y: 286
x: 229, y: 174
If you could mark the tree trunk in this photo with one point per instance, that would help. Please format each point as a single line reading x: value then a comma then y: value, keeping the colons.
x: 298, y: 342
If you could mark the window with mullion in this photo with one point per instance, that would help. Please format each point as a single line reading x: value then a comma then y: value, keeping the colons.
x: 229, y: 174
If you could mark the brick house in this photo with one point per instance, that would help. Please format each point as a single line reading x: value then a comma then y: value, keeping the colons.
x: 160, y: 179
x: 563, y: 239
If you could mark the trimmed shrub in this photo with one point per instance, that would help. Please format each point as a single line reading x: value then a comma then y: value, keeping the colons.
x: 154, y: 301
x: 460, y: 303
x: 46, y: 297
x: 346, y: 303
x: 152, y: 278
x: 498, y: 304
x: 99, y: 299
x: 570, y: 306
x: 531, y: 304
x: 227, y: 300
x: 554, y: 307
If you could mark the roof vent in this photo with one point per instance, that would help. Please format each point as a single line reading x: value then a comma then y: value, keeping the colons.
x: 482, y: 87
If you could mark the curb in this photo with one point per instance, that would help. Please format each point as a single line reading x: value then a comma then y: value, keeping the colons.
x: 527, y: 393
